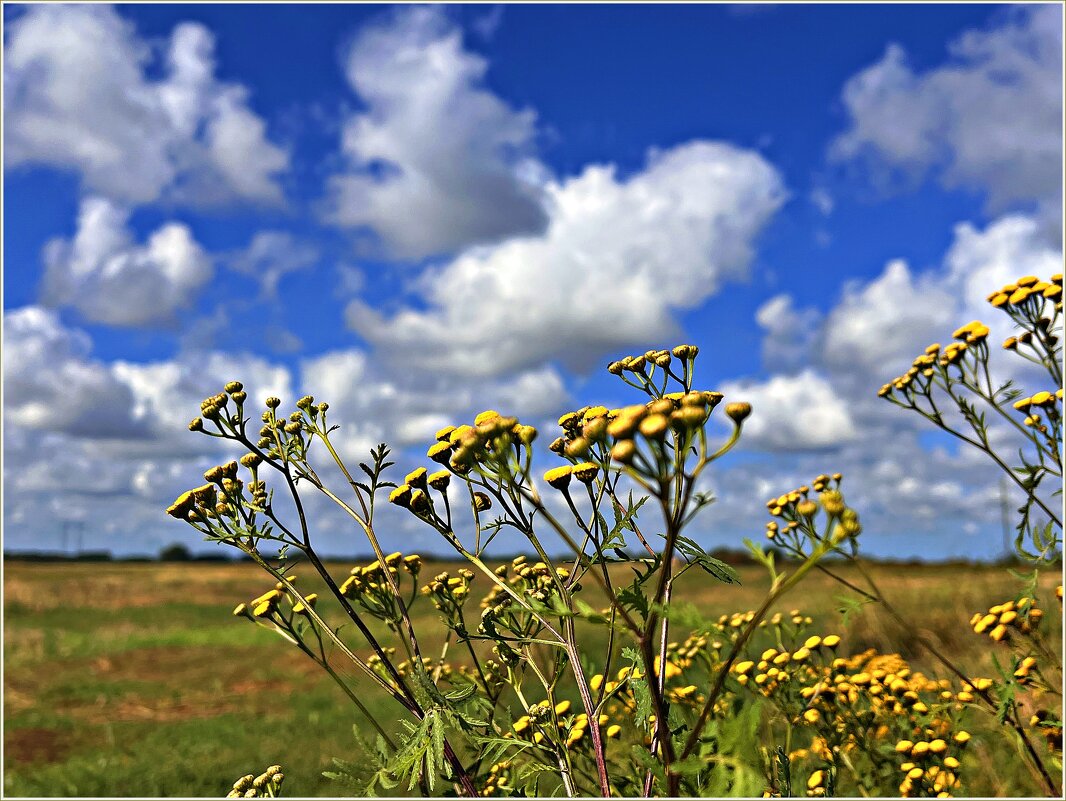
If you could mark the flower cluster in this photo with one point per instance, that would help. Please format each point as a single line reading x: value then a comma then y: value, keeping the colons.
x: 492, y: 439
x: 265, y: 785
x: 371, y: 586
x: 796, y: 524
x: 450, y: 594
x: 270, y: 607
x: 501, y: 609
x: 595, y: 431
x: 1027, y: 290
x: 862, y: 713
x: 1021, y: 616
x: 1032, y: 304
x: 931, y: 766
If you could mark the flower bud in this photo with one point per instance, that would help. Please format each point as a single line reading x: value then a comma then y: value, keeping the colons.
x: 577, y: 448
x: 526, y: 434
x: 482, y: 502
x: 624, y: 451
x: 738, y: 412
x: 419, y: 502
x: 686, y: 351
x: 558, y: 445
x: 654, y: 426
x: 440, y: 480
x: 272, y: 402
x: 251, y: 460
x: 196, y: 424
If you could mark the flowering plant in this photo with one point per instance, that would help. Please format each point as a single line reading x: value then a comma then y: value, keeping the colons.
x: 529, y: 707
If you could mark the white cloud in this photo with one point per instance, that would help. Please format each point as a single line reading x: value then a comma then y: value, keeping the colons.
x: 879, y: 326
x: 271, y: 255
x: 619, y: 257
x: 435, y: 161
x: 790, y: 332
x: 111, y: 279
x: 80, y: 95
x: 374, y: 404
x: 990, y: 118
x: 793, y: 413
x: 51, y: 384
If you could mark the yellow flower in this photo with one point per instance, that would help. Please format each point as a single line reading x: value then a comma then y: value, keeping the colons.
x: 559, y: 477
x: 182, y: 506
x: 1019, y: 296
x: 586, y: 472
x: 486, y: 417
x: 439, y: 452
x: 416, y: 478
x: 816, y: 779
x: 562, y: 707
x: 401, y: 496
x: 613, y: 731
x: 440, y: 480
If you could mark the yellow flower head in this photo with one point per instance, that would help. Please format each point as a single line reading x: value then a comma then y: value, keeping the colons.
x: 559, y: 477
x: 439, y: 452
x: 439, y: 480
x: 586, y: 472
x: 486, y: 416
x: 416, y: 478
x: 401, y: 496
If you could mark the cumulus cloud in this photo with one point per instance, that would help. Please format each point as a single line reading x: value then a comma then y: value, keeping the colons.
x: 81, y: 94
x: 793, y: 413
x: 112, y: 279
x: 375, y: 405
x: 619, y: 257
x: 50, y: 383
x: 271, y: 255
x: 990, y: 118
x: 879, y: 326
x: 436, y: 161
x: 790, y: 332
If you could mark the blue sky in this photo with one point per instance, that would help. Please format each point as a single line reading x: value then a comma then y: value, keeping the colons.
x: 417, y: 212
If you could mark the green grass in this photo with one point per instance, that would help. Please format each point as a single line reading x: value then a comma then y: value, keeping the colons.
x: 135, y: 680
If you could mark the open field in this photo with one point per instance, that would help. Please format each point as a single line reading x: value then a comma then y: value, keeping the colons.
x: 134, y: 679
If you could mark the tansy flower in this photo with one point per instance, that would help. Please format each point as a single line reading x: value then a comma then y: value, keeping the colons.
x: 559, y: 477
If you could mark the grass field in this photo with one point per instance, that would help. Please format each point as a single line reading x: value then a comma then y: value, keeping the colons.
x: 135, y: 680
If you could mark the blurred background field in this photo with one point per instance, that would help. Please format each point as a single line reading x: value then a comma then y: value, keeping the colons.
x: 133, y: 679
